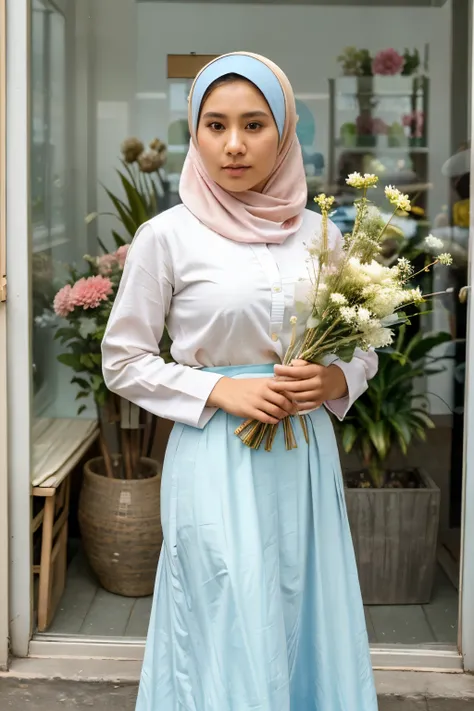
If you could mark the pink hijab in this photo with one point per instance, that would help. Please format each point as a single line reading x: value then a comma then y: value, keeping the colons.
x: 268, y: 217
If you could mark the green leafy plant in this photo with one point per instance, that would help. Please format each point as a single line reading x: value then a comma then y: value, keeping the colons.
x: 355, y: 62
x: 412, y: 62
x: 389, y: 413
x: 144, y: 189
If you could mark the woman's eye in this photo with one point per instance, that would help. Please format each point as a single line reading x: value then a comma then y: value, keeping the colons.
x: 216, y: 126
x: 253, y: 126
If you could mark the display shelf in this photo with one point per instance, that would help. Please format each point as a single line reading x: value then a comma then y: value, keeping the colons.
x: 380, y: 125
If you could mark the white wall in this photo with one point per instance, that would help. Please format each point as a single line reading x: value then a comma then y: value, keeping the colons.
x: 132, y: 42
x: 305, y: 41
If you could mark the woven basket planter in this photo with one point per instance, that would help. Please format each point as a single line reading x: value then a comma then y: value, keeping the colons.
x: 121, y: 527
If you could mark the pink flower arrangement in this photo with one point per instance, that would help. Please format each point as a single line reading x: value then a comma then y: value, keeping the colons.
x: 121, y: 255
x: 87, y: 293
x: 62, y: 301
x: 415, y: 122
x: 388, y: 62
x: 106, y: 262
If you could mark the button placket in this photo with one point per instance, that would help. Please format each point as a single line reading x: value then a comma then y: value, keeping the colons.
x: 270, y: 268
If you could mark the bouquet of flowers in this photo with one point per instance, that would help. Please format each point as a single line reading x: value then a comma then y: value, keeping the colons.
x: 355, y: 302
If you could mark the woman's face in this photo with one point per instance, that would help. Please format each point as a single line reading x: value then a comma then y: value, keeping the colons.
x: 237, y: 137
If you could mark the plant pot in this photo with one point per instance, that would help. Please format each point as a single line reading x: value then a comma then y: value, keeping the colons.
x: 417, y: 142
x: 396, y: 142
x: 121, y: 527
x: 395, y: 534
x: 367, y: 141
x: 348, y: 141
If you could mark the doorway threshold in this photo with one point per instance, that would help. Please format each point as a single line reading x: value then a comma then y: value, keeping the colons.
x: 118, y: 650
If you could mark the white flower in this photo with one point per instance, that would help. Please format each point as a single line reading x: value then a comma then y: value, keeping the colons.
x: 324, y: 202
x: 413, y: 295
x: 383, y: 299
x: 380, y: 338
x: 445, y: 259
x: 348, y: 314
x: 47, y: 319
x: 356, y: 180
x: 433, y: 242
x: 338, y: 299
x: 370, y: 180
x: 363, y: 316
x: 395, y: 197
x: 294, y: 320
x: 404, y: 267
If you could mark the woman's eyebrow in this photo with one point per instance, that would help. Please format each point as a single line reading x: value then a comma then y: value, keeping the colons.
x: 247, y: 115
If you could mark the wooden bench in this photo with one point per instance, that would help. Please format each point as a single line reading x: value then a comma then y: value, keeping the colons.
x: 58, y: 446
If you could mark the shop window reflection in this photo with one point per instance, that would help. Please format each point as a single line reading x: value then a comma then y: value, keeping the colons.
x: 48, y: 186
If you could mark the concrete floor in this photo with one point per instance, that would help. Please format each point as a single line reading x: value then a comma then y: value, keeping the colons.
x: 61, y: 695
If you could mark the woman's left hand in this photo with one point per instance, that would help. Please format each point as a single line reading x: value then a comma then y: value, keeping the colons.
x: 310, y: 385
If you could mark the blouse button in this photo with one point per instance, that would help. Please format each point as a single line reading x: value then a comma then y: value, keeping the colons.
x: 274, y: 336
x: 277, y: 289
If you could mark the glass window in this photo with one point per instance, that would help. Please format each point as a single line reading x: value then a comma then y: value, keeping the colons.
x: 54, y: 238
x: 379, y: 88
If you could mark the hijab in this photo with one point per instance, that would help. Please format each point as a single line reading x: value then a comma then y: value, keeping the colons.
x: 267, y: 217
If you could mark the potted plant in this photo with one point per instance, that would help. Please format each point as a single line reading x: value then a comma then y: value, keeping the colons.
x: 119, y: 507
x: 145, y: 189
x: 348, y: 134
x: 393, y: 512
x: 396, y: 135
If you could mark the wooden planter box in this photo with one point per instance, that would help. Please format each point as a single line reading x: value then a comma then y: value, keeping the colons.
x: 395, y: 534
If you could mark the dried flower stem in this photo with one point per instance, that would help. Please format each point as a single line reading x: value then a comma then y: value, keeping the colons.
x: 109, y: 470
x: 304, y: 427
x: 127, y: 461
x: 420, y: 271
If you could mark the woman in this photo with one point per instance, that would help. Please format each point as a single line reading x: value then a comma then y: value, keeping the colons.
x: 257, y: 603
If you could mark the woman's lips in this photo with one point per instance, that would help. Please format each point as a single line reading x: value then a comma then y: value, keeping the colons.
x: 236, y: 171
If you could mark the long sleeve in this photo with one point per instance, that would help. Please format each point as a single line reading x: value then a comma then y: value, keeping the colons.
x: 131, y: 361
x: 357, y: 372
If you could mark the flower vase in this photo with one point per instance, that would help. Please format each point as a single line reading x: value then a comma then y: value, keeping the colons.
x: 367, y: 141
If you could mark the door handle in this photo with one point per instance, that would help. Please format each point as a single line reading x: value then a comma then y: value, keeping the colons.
x: 463, y: 292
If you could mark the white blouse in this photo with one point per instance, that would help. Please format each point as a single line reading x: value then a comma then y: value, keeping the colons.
x: 224, y: 303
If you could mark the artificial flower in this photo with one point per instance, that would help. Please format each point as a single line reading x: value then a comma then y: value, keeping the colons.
x: 131, y: 149
x: 89, y: 292
x: 62, y: 304
x: 388, y: 62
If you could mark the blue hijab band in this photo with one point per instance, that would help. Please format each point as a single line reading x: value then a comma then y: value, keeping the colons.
x: 248, y: 68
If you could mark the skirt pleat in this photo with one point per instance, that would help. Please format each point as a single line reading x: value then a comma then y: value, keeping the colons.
x: 257, y: 604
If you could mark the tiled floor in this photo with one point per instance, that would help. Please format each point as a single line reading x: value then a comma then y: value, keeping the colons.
x: 87, y: 609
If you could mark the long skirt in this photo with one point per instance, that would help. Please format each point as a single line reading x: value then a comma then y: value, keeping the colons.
x: 257, y: 604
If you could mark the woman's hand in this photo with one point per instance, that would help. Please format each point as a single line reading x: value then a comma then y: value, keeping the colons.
x: 309, y: 385
x: 252, y: 398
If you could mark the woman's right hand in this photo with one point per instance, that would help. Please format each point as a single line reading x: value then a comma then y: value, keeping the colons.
x: 251, y: 398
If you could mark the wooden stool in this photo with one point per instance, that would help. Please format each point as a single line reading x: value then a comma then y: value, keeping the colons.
x: 60, y: 445
x: 53, y: 564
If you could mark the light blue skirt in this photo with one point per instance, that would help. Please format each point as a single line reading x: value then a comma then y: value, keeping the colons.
x: 257, y: 603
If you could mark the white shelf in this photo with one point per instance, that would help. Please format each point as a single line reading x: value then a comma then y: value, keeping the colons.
x: 382, y: 149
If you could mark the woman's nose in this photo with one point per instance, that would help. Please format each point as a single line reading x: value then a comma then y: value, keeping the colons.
x: 235, y: 145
